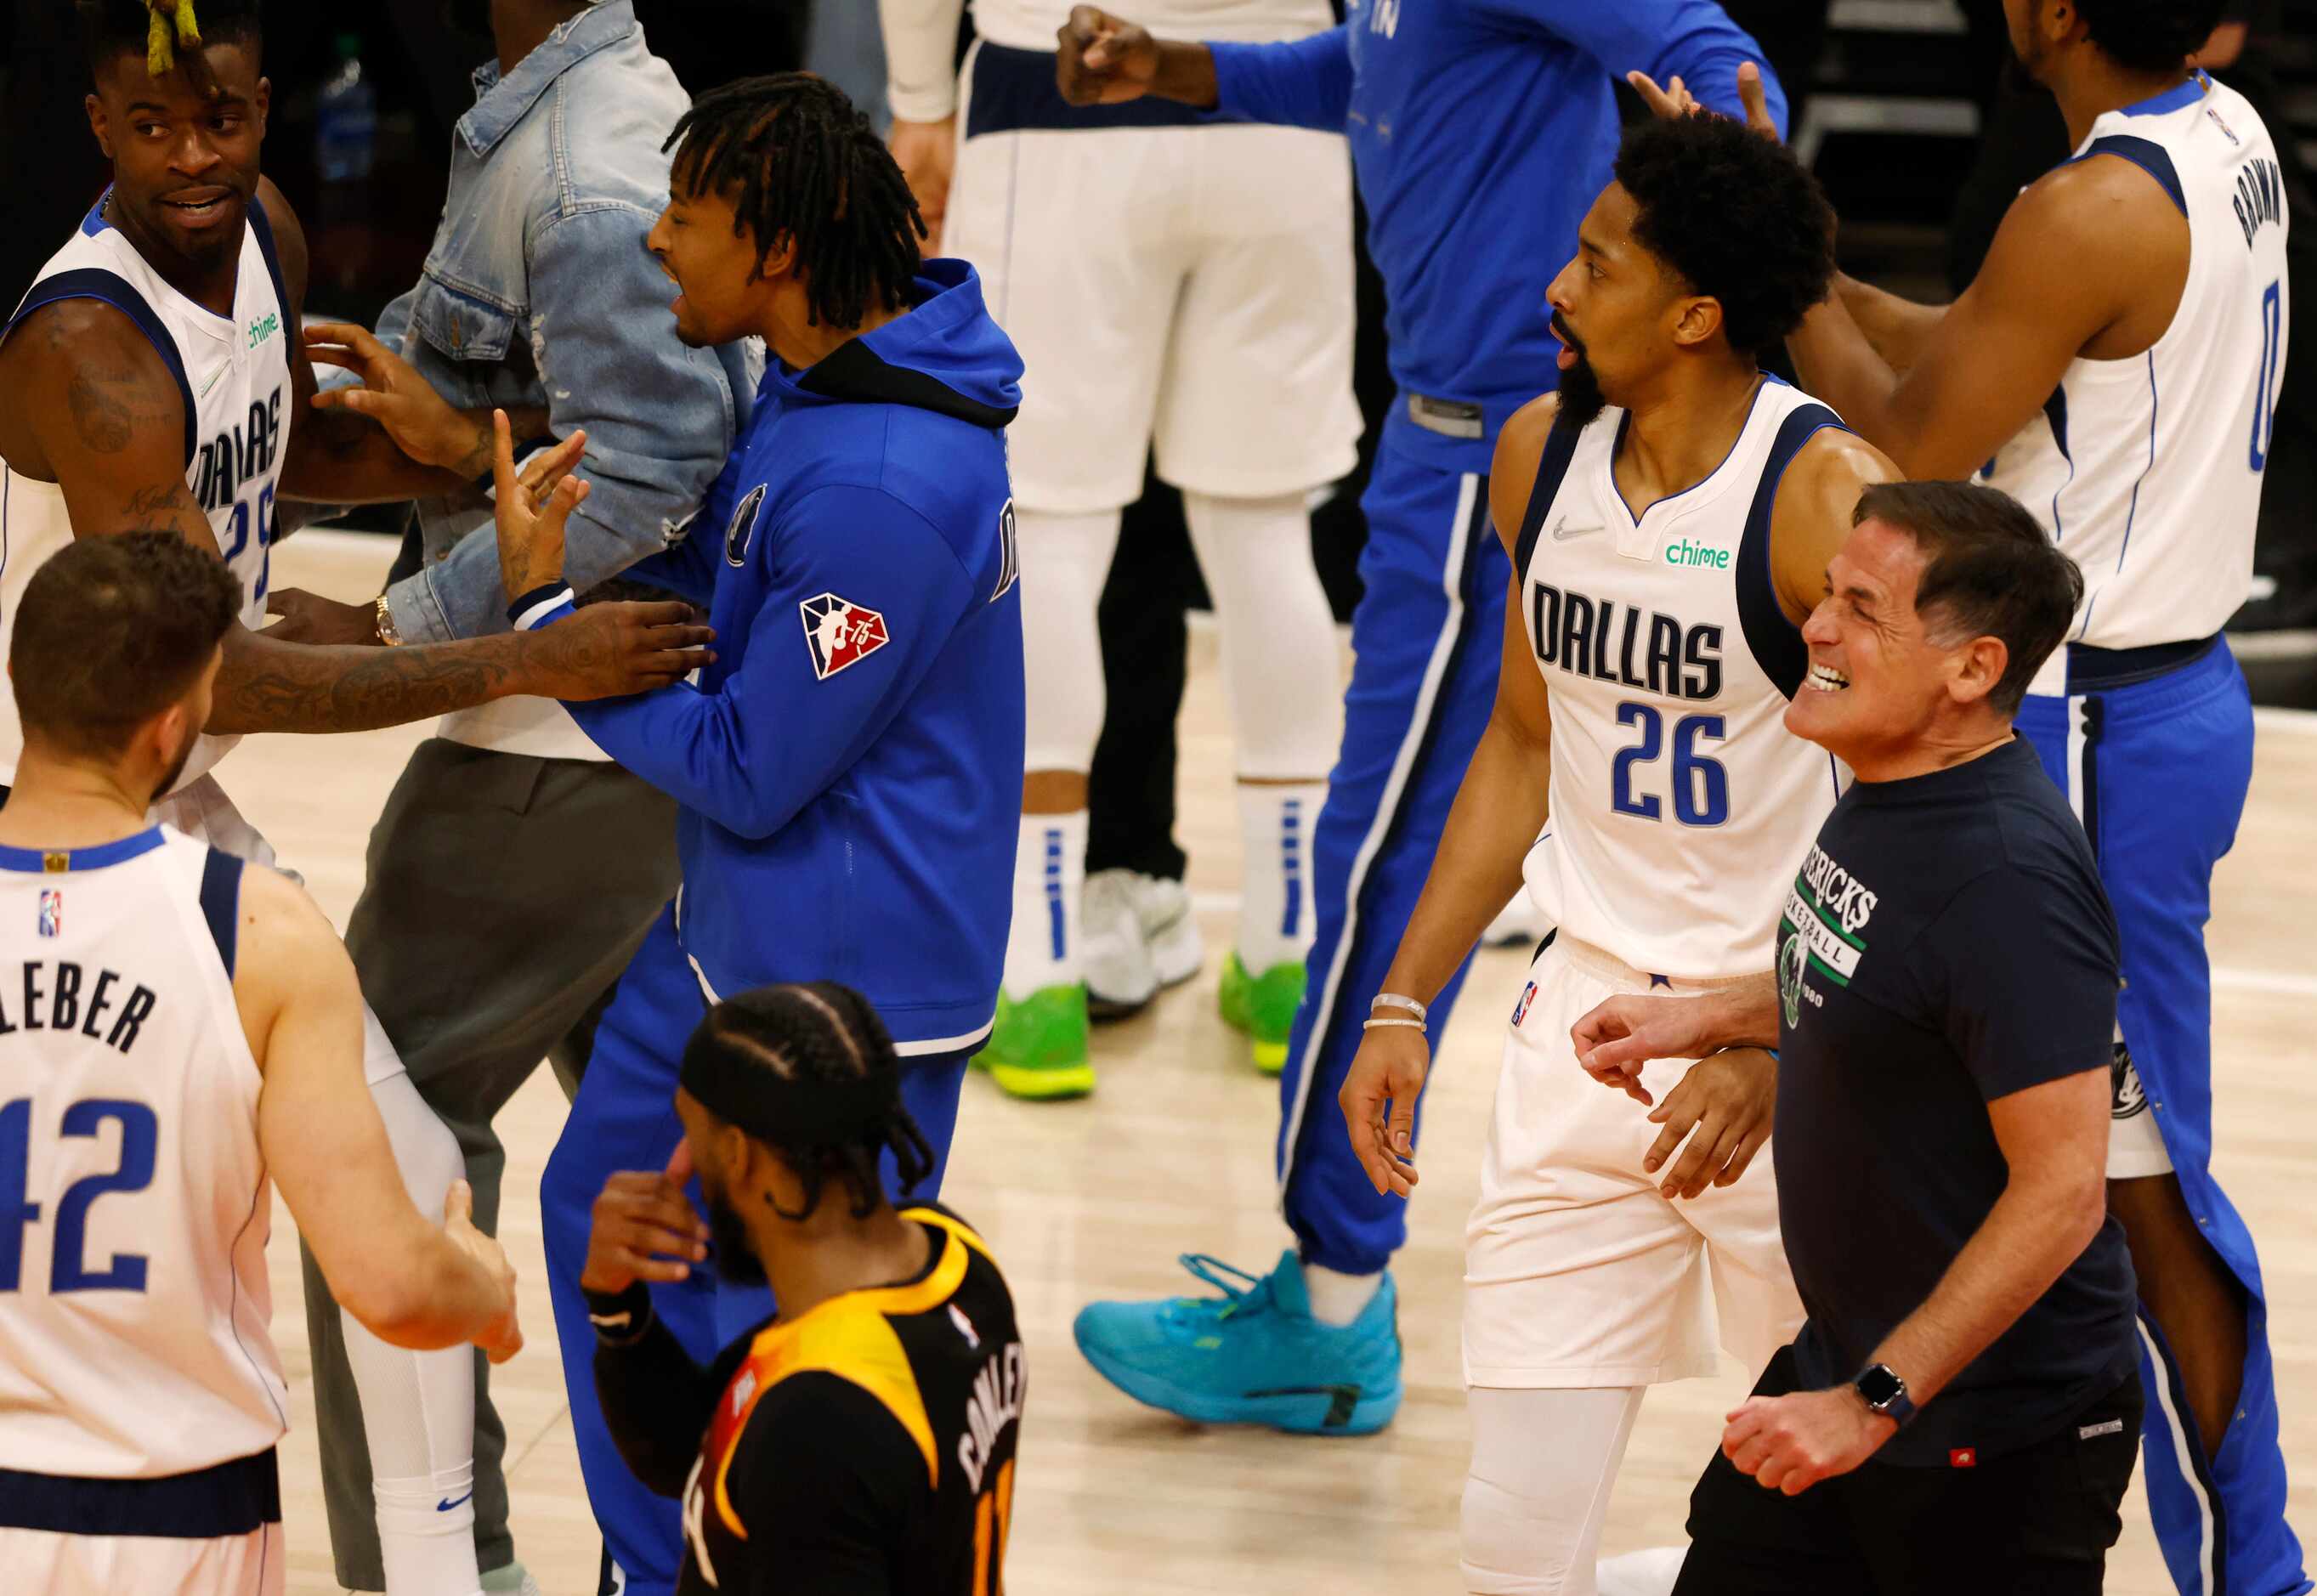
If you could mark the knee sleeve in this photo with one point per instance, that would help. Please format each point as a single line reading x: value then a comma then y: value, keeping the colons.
x: 1065, y: 561
x: 1280, y: 656
x: 419, y: 1408
x: 1543, y: 1463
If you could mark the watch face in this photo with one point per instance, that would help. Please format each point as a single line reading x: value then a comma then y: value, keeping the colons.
x: 1880, y: 1386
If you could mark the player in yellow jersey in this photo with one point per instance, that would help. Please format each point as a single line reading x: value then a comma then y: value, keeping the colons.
x: 861, y: 1440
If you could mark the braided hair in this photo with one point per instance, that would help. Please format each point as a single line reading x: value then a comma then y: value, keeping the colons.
x: 808, y: 168
x: 822, y: 1032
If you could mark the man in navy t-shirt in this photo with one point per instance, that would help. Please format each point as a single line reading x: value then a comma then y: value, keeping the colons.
x: 1965, y: 1387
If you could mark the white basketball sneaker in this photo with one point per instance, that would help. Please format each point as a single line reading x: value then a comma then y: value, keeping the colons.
x: 1120, y: 976
x: 1169, y: 927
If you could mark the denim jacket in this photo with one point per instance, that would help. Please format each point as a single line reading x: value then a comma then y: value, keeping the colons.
x: 539, y: 291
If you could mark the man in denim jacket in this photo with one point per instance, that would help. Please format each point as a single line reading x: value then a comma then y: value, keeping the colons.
x: 515, y: 870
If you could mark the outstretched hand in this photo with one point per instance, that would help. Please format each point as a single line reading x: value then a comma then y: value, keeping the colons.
x: 1675, y: 98
x: 533, y: 506
x: 423, y: 424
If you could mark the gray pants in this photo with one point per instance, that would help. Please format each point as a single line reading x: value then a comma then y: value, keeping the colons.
x: 505, y: 893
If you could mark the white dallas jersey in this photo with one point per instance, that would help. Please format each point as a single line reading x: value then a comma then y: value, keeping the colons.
x: 2147, y: 471
x: 134, y: 1203
x: 1681, y: 804
x: 233, y: 372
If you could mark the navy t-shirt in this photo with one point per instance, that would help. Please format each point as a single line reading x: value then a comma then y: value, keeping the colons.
x: 1946, y: 943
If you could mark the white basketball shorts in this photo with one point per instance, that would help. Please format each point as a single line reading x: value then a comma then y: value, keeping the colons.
x: 1576, y: 1272
x: 1183, y: 289
x: 57, y: 1565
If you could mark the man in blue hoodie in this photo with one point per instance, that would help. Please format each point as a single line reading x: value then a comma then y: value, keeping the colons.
x: 850, y: 762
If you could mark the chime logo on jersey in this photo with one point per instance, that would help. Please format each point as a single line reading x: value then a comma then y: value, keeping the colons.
x: 840, y: 633
x: 1520, y: 1008
x: 52, y: 912
x: 742, y: 528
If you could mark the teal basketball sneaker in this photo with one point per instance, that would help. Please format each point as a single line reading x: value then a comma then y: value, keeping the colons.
x: 1254, y: 1355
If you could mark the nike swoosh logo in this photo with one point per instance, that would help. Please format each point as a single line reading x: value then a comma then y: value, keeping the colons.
x: 1563, y: 532
x: 444, y: 1507
x: 211, y: 383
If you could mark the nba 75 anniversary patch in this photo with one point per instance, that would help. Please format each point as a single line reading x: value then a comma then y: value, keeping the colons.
x: 840, y: 633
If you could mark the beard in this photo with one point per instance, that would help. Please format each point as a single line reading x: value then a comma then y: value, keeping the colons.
x: 728, y: 1239
x: 177, y: 769
x: 1581, y: 398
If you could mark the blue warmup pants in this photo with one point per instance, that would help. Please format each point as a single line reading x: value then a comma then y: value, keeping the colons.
x: 1428, y: 636
x: 624, y: 1119
x: 2157, y: 771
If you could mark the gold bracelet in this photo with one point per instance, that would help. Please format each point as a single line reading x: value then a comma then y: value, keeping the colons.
x: 387, y: 633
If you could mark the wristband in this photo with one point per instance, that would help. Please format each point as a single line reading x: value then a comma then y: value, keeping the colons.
x: 537, y: 605
x: 620, y: 1319
x: 1379, y: 1024
x: 1394, y: 1000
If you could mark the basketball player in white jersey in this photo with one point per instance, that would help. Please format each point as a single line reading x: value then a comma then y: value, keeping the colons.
x: 1177, y: 283
x: 186, y: 1033
x: 151, y: 380
x: 1669, y: 518
x: 2114, y: 367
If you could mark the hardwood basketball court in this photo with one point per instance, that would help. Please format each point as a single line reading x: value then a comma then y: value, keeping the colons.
x: 1172, y: 1154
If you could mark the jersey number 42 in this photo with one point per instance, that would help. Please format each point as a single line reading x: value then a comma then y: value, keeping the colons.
x: 68, y: 1269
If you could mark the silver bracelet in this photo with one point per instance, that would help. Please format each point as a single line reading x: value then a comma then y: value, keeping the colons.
x: 1377, y: 1024
x: 1394, y: 1000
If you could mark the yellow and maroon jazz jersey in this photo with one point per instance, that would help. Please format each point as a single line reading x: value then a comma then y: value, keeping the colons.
x: 866, y: 1448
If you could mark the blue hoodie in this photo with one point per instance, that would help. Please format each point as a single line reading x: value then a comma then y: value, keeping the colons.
x: 850, y: 767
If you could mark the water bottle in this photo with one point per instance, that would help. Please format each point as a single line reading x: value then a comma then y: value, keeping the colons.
x: 346, y: 122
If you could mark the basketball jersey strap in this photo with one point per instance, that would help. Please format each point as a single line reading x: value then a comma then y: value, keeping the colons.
x: 1776, y: 643
x: 221, y: 903
x: 2146, y: 154
x: 1551, y: 466
x: 264, y: 230
x: 93, y: 283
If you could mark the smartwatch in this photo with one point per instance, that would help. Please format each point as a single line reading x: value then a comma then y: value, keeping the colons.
x: 1886, y: 1393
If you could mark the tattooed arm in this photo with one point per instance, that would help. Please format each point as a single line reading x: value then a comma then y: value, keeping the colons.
x: 86, y: 402
x: 338, y: 451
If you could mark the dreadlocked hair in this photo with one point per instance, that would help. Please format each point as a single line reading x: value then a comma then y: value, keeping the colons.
x: 822, y: 1031
x: 805, y: 166
x: 158, y: 29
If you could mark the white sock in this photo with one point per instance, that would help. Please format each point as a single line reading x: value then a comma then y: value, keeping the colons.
x: 425, y: 1548
x: 1274, y: 914
x: 1048, y: 876
x: 1338, y: 1298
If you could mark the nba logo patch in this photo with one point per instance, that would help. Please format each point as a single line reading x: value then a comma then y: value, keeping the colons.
x: 1520, y: 1008
x: 52, y: 912
x: 840, y: 633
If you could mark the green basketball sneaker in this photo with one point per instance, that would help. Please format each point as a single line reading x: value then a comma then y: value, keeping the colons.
x: 1264, y: 1006
x: 1037, y: 1047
